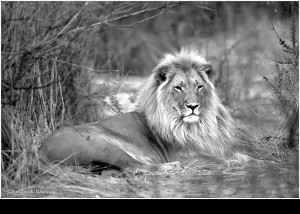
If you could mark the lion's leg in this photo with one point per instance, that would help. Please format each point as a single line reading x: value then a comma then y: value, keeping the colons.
x: 241, y: 158
x: 163, y: 166
x: 245, y: 159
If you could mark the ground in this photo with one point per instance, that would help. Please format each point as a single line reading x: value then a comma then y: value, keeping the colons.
x: 262, y: 180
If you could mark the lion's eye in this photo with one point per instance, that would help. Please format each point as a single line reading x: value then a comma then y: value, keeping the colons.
x: 200, y: 87
x: 178, y: 88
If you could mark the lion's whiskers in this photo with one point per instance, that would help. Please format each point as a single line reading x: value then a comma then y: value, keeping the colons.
x: 185, y: 112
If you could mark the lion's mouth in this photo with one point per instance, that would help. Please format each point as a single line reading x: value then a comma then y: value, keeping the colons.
x: 187, y: 116
x: 192, y: 118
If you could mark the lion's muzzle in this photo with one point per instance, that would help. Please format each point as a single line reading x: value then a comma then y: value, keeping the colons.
x: 191, y: 112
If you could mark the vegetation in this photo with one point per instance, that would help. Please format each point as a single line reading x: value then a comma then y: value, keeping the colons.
x: 66, y: 62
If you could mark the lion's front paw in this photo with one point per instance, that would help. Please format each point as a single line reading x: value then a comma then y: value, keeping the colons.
x: 240, y: 158
x: 172, y: 165
x: 168, y: 166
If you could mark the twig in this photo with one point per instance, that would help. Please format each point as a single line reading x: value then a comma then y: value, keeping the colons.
x: 122, y: 9
x: 164, y: 6
x: 32, y: 88
x: 199, y: 6
x: 281, y: 41
x: 74, y: 17
x: 76, y: 65
x: 104, y: 20
x: 140, y: 21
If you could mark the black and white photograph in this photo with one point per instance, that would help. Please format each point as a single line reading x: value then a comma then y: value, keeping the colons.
x: 149, y: 99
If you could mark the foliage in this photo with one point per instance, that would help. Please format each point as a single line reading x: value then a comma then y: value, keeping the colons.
x: 285, y: 84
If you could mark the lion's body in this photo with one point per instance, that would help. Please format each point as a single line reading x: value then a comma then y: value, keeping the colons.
x: 124, y: 141
x: 179, y: 118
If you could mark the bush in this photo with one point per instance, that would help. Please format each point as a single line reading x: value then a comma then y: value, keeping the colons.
x: 285, y: 83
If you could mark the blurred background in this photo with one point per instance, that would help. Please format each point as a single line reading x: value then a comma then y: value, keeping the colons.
x: 66, y: 63
x: 78, y: 62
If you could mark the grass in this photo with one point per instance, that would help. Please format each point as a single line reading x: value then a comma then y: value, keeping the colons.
x: 230, y: 181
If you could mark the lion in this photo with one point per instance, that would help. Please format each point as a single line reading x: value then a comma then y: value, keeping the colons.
x: 179, y: 120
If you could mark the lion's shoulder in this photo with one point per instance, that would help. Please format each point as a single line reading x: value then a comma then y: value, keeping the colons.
x: 131, y: 126
x: 127, y: 121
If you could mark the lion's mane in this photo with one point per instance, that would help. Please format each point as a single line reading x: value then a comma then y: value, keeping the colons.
x: 212, y: 135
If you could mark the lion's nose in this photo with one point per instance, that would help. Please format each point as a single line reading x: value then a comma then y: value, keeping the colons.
x: 192, y: 105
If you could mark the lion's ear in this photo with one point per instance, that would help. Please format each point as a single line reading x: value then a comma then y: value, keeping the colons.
x: 161, y: 73
x: 209, y: 70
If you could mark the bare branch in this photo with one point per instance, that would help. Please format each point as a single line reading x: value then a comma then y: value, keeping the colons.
x: 32, y: 88
x: 199, y: 6
x: 74, y: 18
x: 124, y: 9
x: 164, y: 6
x: 80, y: 66
x: 140, y: 21
x: 105, y: 20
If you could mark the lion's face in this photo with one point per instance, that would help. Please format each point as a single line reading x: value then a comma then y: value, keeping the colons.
x: 188, y: 95
x: 185, y: 89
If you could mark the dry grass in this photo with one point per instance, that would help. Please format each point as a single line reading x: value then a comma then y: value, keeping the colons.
x: 230, y: 181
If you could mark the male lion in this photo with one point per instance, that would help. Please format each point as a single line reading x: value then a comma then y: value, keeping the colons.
x: 179, y: 119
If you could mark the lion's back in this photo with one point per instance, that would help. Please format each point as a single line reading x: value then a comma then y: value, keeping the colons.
x: 111, y: 139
